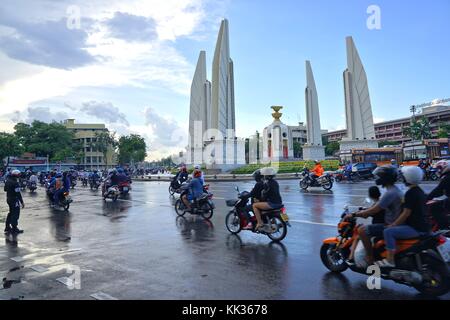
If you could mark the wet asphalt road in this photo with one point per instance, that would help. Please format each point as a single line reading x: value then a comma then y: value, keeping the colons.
x: 138, y: 248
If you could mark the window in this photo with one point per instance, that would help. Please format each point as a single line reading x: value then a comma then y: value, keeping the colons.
x: 88, y: 159
x: 94, y: 159
x: 100, y: 159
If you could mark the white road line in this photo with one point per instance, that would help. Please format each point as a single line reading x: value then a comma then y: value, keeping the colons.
x: 310, y: 222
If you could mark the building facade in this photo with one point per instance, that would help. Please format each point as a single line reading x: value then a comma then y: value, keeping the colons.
x: 393, y: 130
x: 86, y: 135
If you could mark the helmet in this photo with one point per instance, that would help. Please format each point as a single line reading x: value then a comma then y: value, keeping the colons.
x: 197, y: 173
x: 442, y: 166
x: 386, y: 175
x: 412, y: 174
x: 257, y: 175
x: 197, y: 167
x: 15, y: 173
x: 59, y: 175
x: 316, y: 161
x: 120, y: 170
x: 268, y: 172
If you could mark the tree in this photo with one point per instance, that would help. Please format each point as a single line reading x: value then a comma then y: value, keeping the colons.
x: 46, y: 139
x: 9, y: 146
x: 419, y: 129
x: 444, y: 130
x: 132, y: 148
x: 103, y: 142
x: 331, y: 148
x: 297, y: 149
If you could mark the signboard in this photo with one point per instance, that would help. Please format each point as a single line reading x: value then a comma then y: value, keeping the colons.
x: 19, y: 161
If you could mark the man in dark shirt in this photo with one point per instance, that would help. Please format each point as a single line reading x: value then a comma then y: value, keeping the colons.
x: 14, y: 200
x: 412, y: 222
x: 439, y: 211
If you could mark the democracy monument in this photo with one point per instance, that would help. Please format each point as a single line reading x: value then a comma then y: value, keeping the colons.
x: 212, y: 122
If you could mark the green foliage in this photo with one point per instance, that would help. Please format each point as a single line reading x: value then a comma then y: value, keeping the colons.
x: 297, y: 150
x: 132, y: 148
x: 444, y: 130
x: 419, y: 129
x: 103, y: 142
x: 288, y: 167
x: 9, y: 145
x: 331, y: 148
x: 52, y: 139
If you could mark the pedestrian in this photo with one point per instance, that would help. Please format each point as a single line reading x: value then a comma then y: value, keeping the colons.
x: 15, y: 201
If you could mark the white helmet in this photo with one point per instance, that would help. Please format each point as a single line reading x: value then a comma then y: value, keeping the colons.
x: 15, y: 173
x: 412, y: 175
x: 197, y: 167
x: 442, y: 166
x: 268, y: 171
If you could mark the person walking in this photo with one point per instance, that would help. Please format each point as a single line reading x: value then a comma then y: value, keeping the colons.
x: 15, y: 202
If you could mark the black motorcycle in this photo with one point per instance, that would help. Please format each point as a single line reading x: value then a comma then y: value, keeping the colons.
x: 325, y: 181
x: 32, y: 186
x: 238, y: 218
x: 64, y: 201
x: 203, y: 206
x: 84, y: 182
x: 94, y: 184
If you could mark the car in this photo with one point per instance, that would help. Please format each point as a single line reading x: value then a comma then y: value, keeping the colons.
x: 364, y: 169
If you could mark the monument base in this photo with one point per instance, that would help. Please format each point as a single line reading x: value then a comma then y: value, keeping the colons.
x: 348, y: 145
x: 313, y: 152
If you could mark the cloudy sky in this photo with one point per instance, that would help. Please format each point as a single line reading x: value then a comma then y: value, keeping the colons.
x: 129, y: 64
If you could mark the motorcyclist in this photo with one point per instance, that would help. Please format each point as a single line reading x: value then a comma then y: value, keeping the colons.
x: 348, y: 170
x: 439, y: 210
x: 62, y: 186
x: 255, y: 195
x: 15, y: 201
x: 180, y: 177
x: 412, y: 221
x: 195, y: 189
x: 317, y: 171
x: 111, y: 180
x: 271, y: 198
x: 202, y: 178
x: 33, y: 179
x: 390, y: 202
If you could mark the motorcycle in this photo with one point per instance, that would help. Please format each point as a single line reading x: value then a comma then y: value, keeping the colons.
x: 340, y: 176
x: 64, y: 201
x: 124, y: 188
x: 94, y: 184
x: 84, y: 182
x: 32, y: 186
x: 73, y: 183
x: 420, y: 263
x: 440, y: 203
x: 203, y: 206
x: 112, y: 193
x: 23, y: 184
x: 325, y: 181
x: 431, y: 174
x: 277, y: 220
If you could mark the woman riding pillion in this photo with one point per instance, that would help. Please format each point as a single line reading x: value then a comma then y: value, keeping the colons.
x: 271, y: 198
x: 195, y: 189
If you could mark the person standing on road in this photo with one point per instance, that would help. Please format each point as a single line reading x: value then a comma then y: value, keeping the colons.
x: 15, y: 201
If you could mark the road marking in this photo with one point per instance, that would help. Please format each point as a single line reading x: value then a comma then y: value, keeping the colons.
x: 310, y: 222
x: 102, y: 296
x: 39, y: 268
x: 18, y: 259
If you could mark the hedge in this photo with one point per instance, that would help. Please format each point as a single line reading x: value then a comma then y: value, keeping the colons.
x: 288, y: 167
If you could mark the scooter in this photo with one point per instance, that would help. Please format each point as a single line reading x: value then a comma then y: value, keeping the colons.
x: 112, y: 193
x: 237, y: 219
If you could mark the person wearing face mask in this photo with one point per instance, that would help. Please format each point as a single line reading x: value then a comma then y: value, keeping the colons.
x: 15, y: 202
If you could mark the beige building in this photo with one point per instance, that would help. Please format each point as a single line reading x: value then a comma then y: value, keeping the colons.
x: 85, y: 134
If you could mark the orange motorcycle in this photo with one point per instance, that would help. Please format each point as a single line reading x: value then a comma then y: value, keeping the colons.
x: 421, y: 263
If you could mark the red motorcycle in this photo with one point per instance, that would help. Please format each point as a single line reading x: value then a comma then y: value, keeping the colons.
x: 124, y: 188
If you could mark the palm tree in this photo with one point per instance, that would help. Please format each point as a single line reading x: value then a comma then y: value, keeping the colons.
x: 419, y: 129
x: 103, y: 142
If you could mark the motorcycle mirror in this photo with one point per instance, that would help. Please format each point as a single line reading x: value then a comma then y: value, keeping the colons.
x: 236, y: 188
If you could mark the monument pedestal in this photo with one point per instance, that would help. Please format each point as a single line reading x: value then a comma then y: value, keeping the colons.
x: 313, y: 152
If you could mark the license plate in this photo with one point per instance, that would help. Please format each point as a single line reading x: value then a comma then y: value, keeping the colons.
x: 285, y: 217
x: 125, y: 189
x: 444, y: 250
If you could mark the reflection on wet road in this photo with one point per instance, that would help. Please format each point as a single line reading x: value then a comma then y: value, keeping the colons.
x: 138, y: 248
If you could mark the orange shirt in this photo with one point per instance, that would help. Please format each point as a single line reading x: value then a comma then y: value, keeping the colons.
x: 318, y: 170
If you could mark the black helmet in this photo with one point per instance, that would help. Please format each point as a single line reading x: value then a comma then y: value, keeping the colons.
x: 257, y: 175
x: 385, y: 175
